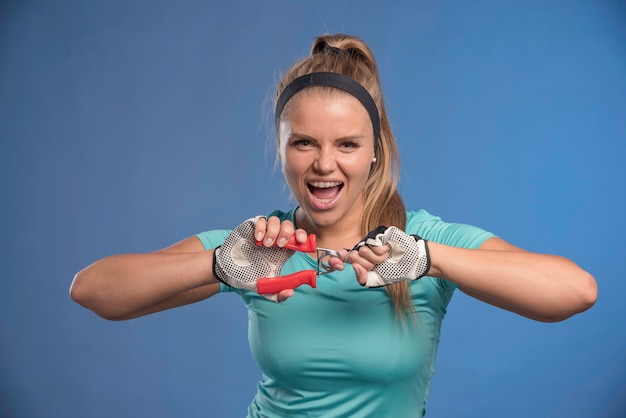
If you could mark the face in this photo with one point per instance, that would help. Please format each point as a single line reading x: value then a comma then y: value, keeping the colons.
x: 326, y: 146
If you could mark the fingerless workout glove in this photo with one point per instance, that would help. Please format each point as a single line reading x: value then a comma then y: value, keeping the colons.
x: 408, y: 257
x: 239, y: 262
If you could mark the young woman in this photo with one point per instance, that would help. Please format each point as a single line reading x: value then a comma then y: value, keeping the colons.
x: 363, y: 342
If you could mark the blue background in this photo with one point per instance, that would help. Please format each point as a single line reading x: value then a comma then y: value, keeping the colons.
x: 126, y: 126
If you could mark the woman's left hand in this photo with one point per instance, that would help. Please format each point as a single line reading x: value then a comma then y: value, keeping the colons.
x: 364, y: 259
x: 389, y: 255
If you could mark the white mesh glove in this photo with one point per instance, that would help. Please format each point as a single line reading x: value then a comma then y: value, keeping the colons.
x: 408, y: 258
x: 239, y: 262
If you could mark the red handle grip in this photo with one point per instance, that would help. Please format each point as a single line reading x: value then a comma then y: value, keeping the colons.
x: 272, y: 285
x: 308, y: 246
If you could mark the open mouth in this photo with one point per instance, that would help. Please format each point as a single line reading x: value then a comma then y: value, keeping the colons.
x: 324, y: 191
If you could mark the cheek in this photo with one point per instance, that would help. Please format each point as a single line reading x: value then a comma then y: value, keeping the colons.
x: 296, y: 162
x: 291, y: 171
x: 360, y: 168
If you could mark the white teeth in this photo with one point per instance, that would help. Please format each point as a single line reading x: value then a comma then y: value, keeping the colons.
x: 324, y: 184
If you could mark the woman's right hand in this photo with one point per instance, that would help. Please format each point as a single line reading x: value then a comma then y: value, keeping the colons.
x: 240, y: 262
x: 271, y: 230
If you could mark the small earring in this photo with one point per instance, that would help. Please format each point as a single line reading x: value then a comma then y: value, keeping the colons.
x: 373, y: 159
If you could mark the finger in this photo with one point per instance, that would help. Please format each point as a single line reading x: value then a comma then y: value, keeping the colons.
x: 365, y: 257
x: 285, y: 233
x: 271, y: 231
x: 351, y: 256
x: 381, y: 250
x: 344, y: 253
x: 355, y: 258
x: 301, y: 235
x: 374, y: 255
x: 259, y: 228
x: 336, y: 263
x: 283, y: 295
x: 361, y: 273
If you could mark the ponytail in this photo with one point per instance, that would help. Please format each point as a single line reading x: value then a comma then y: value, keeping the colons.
x: 351, y: 57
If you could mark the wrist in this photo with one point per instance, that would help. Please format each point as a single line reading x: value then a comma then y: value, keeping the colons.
x: 211, y: 275
x: 434, y: 249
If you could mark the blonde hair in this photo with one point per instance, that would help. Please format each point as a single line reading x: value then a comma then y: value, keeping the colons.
x: 350, y: 56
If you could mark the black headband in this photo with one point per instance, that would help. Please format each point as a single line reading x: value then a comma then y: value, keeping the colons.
x: 336, y: 80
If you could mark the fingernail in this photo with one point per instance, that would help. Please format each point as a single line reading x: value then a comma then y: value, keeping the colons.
x: 268, y: 242
x: 282, y: 241
x: 259, y: 236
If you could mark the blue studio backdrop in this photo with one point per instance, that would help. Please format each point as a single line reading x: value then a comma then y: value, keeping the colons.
x: 126, y: 126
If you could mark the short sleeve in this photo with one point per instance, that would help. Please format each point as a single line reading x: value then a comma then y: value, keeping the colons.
x: 212, y: 239
x: 433, y: 228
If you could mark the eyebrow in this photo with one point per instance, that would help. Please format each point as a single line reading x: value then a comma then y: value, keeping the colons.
x: 343, y: 138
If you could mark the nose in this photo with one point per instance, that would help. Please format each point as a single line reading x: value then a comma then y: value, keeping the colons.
x: 325, y: 162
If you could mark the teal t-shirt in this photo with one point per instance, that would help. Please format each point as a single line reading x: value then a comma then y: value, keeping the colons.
x: 338, y: 350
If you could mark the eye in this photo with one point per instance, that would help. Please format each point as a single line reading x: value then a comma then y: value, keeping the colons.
x: 348, y: 145
x: 301, y: 143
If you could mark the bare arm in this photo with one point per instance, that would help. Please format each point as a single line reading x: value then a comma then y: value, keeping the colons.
x: 543, y: 287
x: 130, y: 285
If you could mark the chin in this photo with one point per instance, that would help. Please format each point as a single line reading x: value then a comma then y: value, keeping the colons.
x: 318, y: 218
